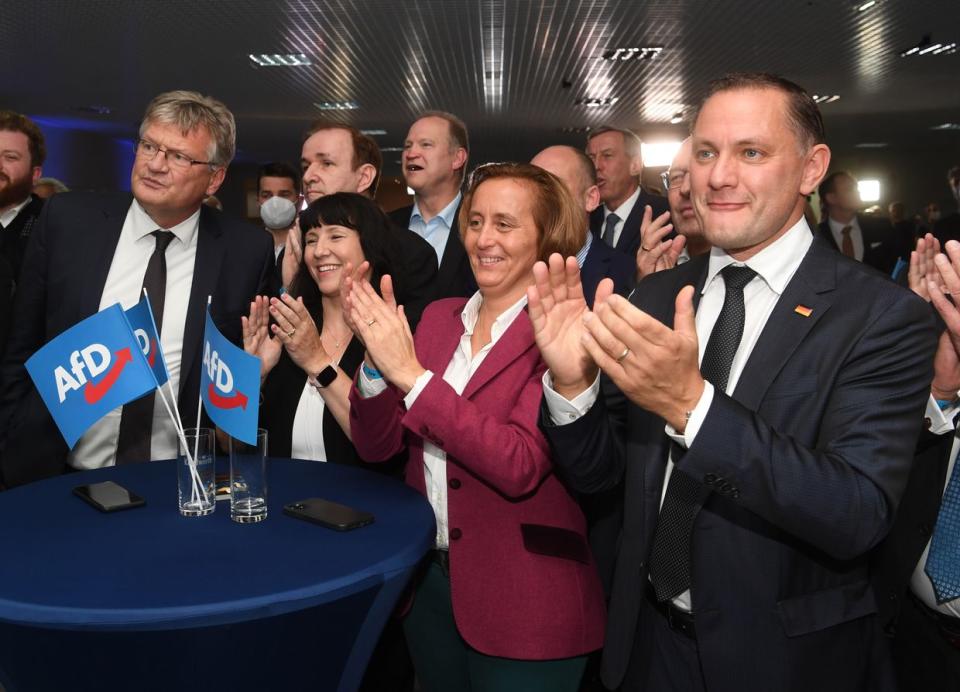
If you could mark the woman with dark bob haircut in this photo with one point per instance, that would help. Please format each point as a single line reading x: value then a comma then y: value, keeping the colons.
x: 308, y: 353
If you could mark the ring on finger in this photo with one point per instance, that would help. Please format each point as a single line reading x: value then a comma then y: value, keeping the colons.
x: 626, y: 352
x: 371, y: 322
x: 291, y: 332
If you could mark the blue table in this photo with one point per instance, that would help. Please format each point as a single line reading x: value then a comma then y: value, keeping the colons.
x: 145, y: 599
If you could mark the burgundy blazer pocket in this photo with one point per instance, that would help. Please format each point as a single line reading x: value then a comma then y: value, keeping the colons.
x: 555, y: 541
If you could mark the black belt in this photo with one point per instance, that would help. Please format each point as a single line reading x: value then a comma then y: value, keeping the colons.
x: 679, y: 620
x: 948, y: 625
x: 442, y: 558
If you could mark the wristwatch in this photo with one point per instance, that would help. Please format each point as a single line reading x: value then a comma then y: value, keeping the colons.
x: 324, y: 377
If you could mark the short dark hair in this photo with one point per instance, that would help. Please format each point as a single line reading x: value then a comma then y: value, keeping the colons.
x: 11, y: 121
x: 829, y: 185
x: 631, y: 141
x: 803, y: 114
x: 457, y: 130
x: 378, y: 240
x: 365, y: 148
x: 279, y: 169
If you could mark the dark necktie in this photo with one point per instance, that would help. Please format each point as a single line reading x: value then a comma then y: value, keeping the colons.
x: 136, y: 421
x: 670, y: 557
x: 609, y: 229
x: 943, y: 559
x: 847, y: 247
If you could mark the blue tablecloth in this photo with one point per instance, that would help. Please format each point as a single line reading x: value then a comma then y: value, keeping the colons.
x: 83, y: 581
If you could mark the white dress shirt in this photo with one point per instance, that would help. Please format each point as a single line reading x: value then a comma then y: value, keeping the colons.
x: 622, y: 212
x: 856, y: 235
x: 775, y: 266
x: 98, y: 446
x: 436, y: 231
x: 458, y: 373
x: 941, y: 423
x: 7, y: 217
x: 307, y: 440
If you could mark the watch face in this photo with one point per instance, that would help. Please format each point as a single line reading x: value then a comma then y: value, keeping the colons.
x: 326, y: 376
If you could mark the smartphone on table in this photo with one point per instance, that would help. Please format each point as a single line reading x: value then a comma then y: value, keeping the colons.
x: 108, y: 496
x: 330, y: 514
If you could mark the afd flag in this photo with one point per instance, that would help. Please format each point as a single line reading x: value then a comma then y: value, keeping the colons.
x: 89, y: 370
x: 140, y: 317
x: 230, y: 385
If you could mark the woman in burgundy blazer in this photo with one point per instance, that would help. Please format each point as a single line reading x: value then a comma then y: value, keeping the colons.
x: 512, y: 599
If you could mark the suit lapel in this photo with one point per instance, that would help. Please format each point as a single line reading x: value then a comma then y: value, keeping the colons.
x: 101, y: 247
x: 211, y: 246
x: 453, y: 253
x: 785, y: 329
x: 514, y: 342
x: 630, y: 233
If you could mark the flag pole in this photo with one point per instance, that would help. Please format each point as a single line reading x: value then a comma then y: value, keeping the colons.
x: 200, y: 395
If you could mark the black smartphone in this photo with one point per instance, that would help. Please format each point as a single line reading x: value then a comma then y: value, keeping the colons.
x: 329, y: 514
x: 108, y: 496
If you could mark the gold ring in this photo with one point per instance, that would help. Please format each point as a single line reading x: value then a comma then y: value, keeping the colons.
x: 646, y: 249
x: 626, y: 352
x: 292, y: 332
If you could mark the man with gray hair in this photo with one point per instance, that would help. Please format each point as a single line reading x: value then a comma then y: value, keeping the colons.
x: 92, y: 250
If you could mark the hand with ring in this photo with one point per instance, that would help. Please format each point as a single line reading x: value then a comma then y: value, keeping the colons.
x: 386, y: 333
x: 348, y: 280
x: 297, y: 331
x: 656, y: 254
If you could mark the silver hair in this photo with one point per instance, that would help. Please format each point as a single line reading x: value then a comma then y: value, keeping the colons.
x: 189, y: 110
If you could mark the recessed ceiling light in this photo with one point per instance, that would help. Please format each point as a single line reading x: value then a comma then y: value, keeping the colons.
x: 576, y: 129
x: 337, y: 105
x: 374, y: 133
x: 946, y: 126
x: 870, y: 145
x: 869, y: 190
x: 926, y: 47
x: 391, y: 148
x: 280, y: 60
x: 623, y: 54
x: 825, y: 98
x: 676, y: 119
x: 595, y: 102
x: 864, y: 6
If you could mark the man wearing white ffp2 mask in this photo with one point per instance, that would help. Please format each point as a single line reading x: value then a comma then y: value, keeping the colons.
x: 278, y: 189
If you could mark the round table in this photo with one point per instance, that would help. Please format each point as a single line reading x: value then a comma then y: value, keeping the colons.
x: 147, y: 599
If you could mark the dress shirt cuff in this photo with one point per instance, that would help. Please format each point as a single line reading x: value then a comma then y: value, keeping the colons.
x: 563, y: 410
x: 370, y: 387
x: 697, y: 416
x: 418, y: 386
x: 941, y: 422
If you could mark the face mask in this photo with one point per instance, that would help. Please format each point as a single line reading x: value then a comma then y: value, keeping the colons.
x: 278, y: 213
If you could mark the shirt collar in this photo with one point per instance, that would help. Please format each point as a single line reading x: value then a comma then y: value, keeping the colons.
x: 143, y: 225
x: 623, y: 211
x: 446, y: 215
x: 775, y: 264
x: 7, y: 217
x: 837, y: 228
x: 585, y: 250
x: 472, y: 310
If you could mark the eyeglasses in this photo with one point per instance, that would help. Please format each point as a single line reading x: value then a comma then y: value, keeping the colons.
x: 149, y: 151
x: 672, y: 180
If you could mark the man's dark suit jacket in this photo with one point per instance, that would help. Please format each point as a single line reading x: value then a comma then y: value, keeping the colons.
x: 64, y: 271
x: 601, y: 262
x: 947, y: 228
x: 898, y: 555
x: 807, y: 462
x: 454, y: 275
x: 880, y: 248
x: 629, y: 240
x: 14, y: 238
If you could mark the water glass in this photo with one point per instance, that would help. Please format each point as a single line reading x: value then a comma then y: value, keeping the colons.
x: 195, y: 486
x: 248, y: 479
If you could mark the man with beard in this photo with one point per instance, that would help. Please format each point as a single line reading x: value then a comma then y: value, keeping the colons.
x: 22, y: 152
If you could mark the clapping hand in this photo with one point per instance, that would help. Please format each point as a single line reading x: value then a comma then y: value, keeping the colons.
x: 656, y: 254
x: 292, y: 254
x: 384, y: 330
x: 946, y: 361
x: 297, y: 331
x: 349, y: 279
x: 922, y: 267
x: 256, y: 336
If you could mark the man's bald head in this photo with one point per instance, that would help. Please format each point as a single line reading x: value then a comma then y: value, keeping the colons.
x: 575, y: 170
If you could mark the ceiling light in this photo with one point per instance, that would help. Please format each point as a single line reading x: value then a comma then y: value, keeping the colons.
x: 863, y: 7
x: 926, y: 47
x: 337, y: 105
x: 676, y: 119
x: 869, y: 190
x: 95, y: 110
x: 391, y: 148
x: 373, y: 133
x: 280, y: 60
x: 623, y: 54
x: 657, y: 154
x: 576, y: 130
x: 596, y: 103
x: 825, y: 98
x: 870, y: 145
x: 946, y: 126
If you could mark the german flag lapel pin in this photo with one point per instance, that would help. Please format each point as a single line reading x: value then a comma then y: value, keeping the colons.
x: 803, y: 310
